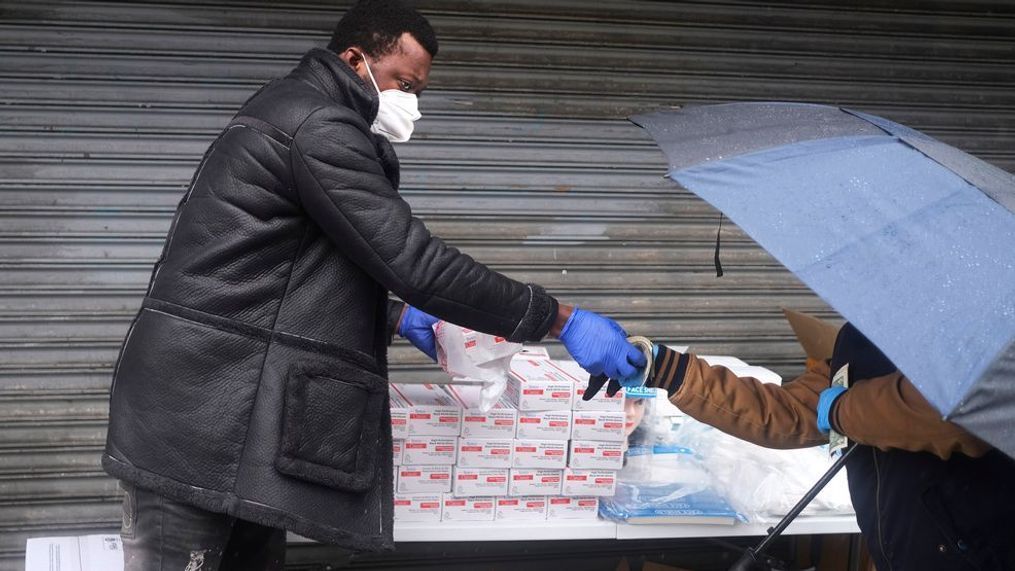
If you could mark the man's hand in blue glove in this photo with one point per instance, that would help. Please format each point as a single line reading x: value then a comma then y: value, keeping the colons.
x: 417, y: 327
x: 613, y: 386
x: 600, y: 345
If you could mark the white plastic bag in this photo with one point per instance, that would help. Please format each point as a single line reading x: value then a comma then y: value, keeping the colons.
x: 764, y: 483
x: 471, y: 356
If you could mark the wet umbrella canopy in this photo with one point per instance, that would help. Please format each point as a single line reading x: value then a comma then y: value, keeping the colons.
x: 911, y: 240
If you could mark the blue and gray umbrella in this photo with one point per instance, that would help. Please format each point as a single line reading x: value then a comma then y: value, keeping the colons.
x: 911, y: 240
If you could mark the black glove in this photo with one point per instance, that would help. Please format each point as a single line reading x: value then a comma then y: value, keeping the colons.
x: 596, y: 383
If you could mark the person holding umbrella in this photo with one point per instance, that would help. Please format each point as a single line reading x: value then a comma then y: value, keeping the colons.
x: 910, y: 240
x: 251, y: 395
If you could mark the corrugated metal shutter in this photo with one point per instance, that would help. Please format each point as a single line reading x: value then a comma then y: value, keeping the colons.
x: 523, y: 158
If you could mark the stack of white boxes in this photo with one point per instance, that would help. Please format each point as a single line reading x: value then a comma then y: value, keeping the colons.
x: 425, y: 423
x: 541, y: 453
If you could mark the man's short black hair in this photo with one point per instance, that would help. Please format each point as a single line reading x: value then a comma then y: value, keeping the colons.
x: 376, y: 25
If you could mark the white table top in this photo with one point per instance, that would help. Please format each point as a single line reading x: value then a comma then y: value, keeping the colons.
x: 599, y: 529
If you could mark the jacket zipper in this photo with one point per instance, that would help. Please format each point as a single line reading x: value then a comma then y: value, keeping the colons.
x: 877, y: 507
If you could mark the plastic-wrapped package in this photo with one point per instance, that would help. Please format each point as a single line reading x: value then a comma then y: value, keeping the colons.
x: 666, y: 484
x: 471, y: 356
x: 661, y: 482
x: 764, y: 483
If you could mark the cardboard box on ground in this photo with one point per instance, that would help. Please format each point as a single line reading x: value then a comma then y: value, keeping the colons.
x: 82, y: 553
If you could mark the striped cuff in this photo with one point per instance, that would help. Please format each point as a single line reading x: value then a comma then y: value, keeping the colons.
x: 668, y: 370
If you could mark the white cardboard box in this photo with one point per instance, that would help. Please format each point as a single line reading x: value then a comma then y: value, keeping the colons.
x: 592, y: 455
x: 424, y: 479
x: 431, y: 411
x: 399, y: 414
x: 396, y: 451
x: 480, y: 482
x: 418, y: 507
x: 535, y: 384
x: 544, y: 425
x: 524, y: 508
x: 74, y: 553
x: 581, y: 383
x: 422, y: 450
x: 598, y: 425
x: 589, y: 482
x: 498, y: 422
x: 535, y: 482
x: 549, y: 454
x: 531, y: 352
x: 485, y: 452
x: 468, y: 508
x: 572, y: 508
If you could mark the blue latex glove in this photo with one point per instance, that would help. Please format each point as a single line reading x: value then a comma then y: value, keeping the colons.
x: 417, y: 327
x: 636, y: 380
x: 600, y: 345
x: 825, y: 402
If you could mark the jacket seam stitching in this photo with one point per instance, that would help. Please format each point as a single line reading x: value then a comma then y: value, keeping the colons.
x: 528, y: 310
x: 237, y: 122
x: 268, y: 346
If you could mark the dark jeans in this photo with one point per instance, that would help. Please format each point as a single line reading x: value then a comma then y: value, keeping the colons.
x: 160, y: 534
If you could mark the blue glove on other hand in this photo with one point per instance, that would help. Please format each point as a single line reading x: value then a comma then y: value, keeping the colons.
x: 417, y: 327
x: 825, y: 402
x: 600, y: 345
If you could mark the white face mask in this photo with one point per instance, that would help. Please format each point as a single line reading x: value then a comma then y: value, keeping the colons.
x: 396, y: 113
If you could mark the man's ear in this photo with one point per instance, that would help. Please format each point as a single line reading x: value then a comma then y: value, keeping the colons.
x: 353, y: 57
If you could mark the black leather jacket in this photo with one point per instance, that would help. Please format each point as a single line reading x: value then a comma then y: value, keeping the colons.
x: 253, y: 381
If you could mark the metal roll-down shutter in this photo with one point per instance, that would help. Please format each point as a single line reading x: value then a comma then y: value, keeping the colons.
x: 523, y: 159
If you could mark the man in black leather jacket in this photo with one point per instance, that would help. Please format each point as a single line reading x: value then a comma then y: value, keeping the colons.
x: 251, y: 394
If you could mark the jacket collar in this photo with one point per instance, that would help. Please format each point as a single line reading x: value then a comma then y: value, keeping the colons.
x: 325, y: 71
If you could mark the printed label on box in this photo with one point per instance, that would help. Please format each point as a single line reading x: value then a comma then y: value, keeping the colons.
x: 396, y: 451
x: 524, y: 508
x: 480, y: 481
x: 598, y: 425
x: 468, y: 508
x: 572, y: 508
x: 399, y: 414
x: 545, y: 425
x: 498, y: 422
x: 589, y: 482
x: 418, y: 507
x: 429, y: 450
x: 484, y: 453
x: 535, y: 482
x: 549, y: 454
x: 536, y: 384
x: 432, y: 412
x: 591, y: 455
x: 494, y: 423
x: 424, y: 479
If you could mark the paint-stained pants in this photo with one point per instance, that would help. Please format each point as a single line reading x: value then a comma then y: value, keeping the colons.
x: 160, y: 534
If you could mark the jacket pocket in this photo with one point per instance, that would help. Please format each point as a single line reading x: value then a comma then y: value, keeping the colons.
x: 332, y: 426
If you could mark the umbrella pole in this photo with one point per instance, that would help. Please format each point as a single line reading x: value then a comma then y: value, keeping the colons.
x: 750, y: 559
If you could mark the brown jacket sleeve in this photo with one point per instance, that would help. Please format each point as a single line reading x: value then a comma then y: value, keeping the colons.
x: 765, y: 414
x: 888, y: 412
x: 885, y: 412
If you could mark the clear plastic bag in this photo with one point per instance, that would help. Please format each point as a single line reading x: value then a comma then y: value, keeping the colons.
x: 661, y: 481
x: 666, y: 484
x: 765, y: 483
x: 472, y: 357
